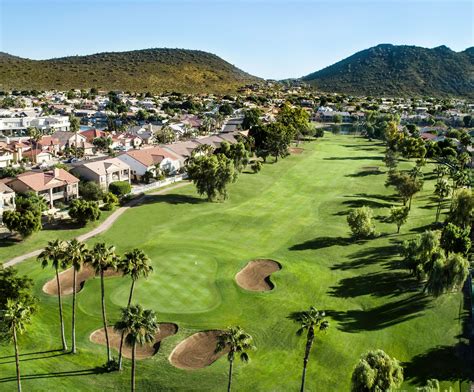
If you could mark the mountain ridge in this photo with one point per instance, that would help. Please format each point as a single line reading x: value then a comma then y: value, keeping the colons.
x: 411, y: 70
x: 154, y: 70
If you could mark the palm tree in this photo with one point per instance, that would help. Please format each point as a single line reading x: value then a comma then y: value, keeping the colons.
x: 76, y: 252
x: 102, y: 258
x: 238, y: 342
x: 135, y: 264
x: 35, y: 135
x: 140, y: 327
x: 442, y: 190
x: 55, y: 253
x: 15, y: 318
x: 310, y: 320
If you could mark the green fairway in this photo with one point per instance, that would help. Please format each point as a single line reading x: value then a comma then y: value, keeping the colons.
x: 294, y: 212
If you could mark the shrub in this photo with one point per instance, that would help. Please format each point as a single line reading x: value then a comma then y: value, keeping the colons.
x: 90, y: 191
x: 120, y: 188
x: 256, y: 166
x: 110, y: 201
x: 360, y: 222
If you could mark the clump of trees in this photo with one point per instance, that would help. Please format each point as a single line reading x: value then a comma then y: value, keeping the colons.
x: 26, y: 218
x: 360, y: 221
x: 83, y: 211
x: 212, y: 174
x: 430, y: 258
x: 376, y: 371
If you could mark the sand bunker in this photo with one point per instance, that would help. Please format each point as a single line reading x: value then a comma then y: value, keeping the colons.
x: 296, y: 150
x: 145, y: 351
x: 66, y: 280
x: 255, y: 276
x: 197, y: 351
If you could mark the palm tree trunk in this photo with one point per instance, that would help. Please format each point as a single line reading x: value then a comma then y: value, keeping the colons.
x: 123, y: 332
x: 438, y: 210
x: 409, y: 205
x: 104, y: 316
x: 73, y: 335
x: 63, y: 337
x: 229, y: 384
x: 134, y: 349
x: 309, y: 344
x: 17, y: 360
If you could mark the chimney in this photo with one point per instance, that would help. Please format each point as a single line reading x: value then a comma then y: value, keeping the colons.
x: 56, y: 172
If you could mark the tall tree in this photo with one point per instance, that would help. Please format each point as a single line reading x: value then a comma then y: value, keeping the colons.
x: 448, y: 274
x: 135, y: 264
x: 462, y: 207
x: 140, y: 327
x: 399, y: 216
x: 14, y: 320
x: 74, y: 126
x: 103, y: 258
x: 35, y: 135
x: 238, y: 342
x: 442, y: 191
x: 76, y: 252
x: 54, y: 253
x: 311, y: 321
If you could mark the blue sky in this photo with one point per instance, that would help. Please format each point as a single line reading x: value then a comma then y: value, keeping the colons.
x: 268, y: 38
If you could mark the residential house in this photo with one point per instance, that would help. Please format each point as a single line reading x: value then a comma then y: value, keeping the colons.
x: 7, y: 199
x: 6, y: 156
x: 103, y: 172
x: 19, y: 125
x: 151, y: 160
x: 70, y: 139
x: 54, y: 185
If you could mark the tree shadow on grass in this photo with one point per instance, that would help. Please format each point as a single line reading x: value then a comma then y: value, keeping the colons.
x: 61, y: 225
x: 49, y: 354
x: 387, y: 198
x: 381, y: 284
x: 365, y: 173
x: 357, y: 203
x: 374, y: 158
x: 71, y: 373
x: 445, y: 363
x: 322, y: 242
x: 429, y: 226
x: 31, y: 353
x: 170, y: 199
x: 9, y: 241
x: 371, y: 255
x: 381, y: 317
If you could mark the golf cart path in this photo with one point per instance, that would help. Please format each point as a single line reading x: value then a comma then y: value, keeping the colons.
x: 105, y: 225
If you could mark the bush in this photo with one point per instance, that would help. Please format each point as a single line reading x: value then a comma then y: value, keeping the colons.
x: 90, y: 191
x: 256, y: 166
x: 360, y: 222
x: 110, y: 201
x: 120, y: 188
x: 83, y: 211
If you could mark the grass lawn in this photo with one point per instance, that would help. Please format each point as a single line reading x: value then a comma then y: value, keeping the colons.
x: 293, y: 212
x: 10, y: 248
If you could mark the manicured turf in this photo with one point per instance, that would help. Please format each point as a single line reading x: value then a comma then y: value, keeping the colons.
x: 293, y: 212
x: 10, y: 248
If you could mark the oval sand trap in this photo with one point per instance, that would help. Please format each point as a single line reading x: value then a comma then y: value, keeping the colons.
x: 145, y: 351
x: 197, y: 351
x: 255, y: 276
x: 66, y: 280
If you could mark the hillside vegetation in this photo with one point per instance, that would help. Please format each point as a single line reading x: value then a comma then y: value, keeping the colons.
x: 154, y: 70
x: 400, y: 71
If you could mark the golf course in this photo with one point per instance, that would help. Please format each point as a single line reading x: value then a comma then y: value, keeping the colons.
x: 290, y: 216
